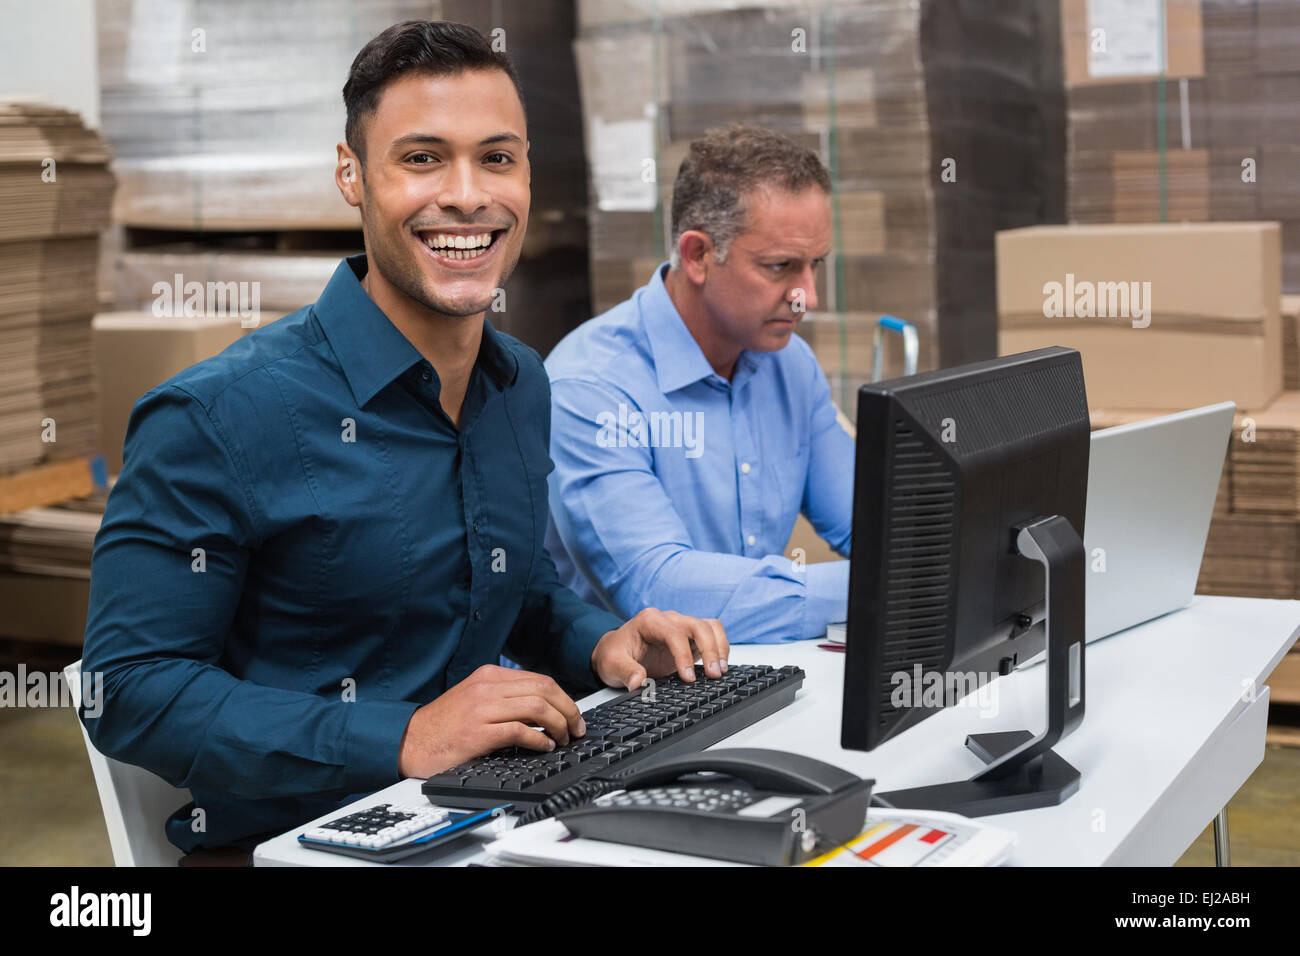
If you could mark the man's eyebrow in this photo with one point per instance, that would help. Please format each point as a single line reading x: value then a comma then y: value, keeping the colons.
x: 778, y: 253
x: 412, y: 139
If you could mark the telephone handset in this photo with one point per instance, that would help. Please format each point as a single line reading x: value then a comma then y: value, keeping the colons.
x: 744, y: 804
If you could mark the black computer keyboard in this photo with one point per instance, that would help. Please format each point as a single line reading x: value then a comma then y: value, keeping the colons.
x: 674, y: 717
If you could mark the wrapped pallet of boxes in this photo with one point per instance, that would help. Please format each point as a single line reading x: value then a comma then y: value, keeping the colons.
x: 1166, y: 316
x: 1185, y: 110
x: 268, y: 283
x: 228, y: 119
x: 930, y: 150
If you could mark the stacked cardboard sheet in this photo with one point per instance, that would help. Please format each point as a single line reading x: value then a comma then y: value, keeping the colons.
x: 56, y: 191
x: 55, y: 541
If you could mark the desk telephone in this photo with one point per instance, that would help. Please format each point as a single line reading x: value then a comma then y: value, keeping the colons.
x: 745, y: 804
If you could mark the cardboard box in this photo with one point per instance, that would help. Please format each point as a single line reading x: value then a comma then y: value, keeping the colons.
x: 1166, y: 370
x: 1166, y: 316
x: 1129, y: 45
x: 134, y: 351
x: 1222, y: 270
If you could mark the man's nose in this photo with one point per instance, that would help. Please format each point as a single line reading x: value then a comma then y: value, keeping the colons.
x: 805, y: 289
x: 462, y: 190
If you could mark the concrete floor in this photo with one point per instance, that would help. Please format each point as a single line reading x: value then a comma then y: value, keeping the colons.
x: 51, y: 810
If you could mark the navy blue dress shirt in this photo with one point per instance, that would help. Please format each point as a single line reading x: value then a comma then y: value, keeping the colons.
x: 302, y: 549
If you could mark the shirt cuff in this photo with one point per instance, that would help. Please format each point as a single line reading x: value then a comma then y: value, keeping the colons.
x: 579, y: 643
x: 374, y: 735
x: 826, y: 596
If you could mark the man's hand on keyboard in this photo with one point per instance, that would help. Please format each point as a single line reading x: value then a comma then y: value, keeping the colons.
x: 655, y: 643
x: 494, y: 707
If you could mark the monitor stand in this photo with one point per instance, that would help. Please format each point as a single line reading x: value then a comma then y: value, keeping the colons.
x: 1023, y: 772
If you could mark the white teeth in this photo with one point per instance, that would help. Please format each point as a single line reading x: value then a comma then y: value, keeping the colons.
x: 459, y: 247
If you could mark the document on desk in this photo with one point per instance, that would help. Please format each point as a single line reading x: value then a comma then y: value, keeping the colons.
x: 891, y: 838
x: 912, y: 838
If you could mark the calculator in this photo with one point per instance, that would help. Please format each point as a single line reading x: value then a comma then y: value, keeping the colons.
x: 390, y: 831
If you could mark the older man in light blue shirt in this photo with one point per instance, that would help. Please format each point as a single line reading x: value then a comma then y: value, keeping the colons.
x: 690, y: 426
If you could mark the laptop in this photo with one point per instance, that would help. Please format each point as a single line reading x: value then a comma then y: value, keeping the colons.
x: 1151, y: 491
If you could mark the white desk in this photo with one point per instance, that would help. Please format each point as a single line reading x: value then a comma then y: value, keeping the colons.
x: 1171, y: 732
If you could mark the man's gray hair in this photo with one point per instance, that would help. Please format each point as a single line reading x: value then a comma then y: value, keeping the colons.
x: 722, y: 167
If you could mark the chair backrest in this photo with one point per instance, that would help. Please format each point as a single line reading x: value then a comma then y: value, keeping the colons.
x: 135, y: 801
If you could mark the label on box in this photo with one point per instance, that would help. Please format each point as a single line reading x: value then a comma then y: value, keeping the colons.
x: 1126, y: 37
x: 623, y: 165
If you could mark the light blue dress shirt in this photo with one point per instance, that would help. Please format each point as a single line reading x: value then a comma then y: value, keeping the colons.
x: 674, y: 488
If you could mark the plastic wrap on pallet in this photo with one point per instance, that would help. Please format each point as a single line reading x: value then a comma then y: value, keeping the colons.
x: 927, y: 112
x: 1206, y: 128
x: 286, y: 281
x: 225, y: 115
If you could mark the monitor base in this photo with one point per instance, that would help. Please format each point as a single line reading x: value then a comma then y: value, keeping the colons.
x: 1045, y: 781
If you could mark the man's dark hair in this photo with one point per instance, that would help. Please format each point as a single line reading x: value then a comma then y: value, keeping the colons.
x: 429, y: 47
x: 722, y: 166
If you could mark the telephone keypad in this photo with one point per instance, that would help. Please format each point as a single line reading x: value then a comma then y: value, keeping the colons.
x: 720, y: 799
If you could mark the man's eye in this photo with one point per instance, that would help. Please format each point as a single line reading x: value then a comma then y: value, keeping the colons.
x: 499, y: 159
x: 415, y: 156
x: 778, y: 266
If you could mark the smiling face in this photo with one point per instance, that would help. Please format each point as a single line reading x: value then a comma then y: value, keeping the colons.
x: 770, y: 267
x: 445, y: 191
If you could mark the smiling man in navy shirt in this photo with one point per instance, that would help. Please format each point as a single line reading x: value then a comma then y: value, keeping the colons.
x: 322, y: 538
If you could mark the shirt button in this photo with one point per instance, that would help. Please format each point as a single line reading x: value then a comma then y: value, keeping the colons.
x: 478, y: 615
x: 426, y: 374
x: 476, y: 527
x: 751, y: 539
x: 744, y: 467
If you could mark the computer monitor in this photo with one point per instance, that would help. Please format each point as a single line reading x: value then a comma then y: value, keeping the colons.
x: 968, y: 508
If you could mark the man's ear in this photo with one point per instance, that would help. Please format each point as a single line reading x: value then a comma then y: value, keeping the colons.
x: 347, y: 174
x: 695, y: 249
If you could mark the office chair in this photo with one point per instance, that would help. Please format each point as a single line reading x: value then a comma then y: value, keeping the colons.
x: 135, y: 802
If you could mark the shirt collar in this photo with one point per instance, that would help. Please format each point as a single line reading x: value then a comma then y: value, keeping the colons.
x: 677, y: 356
x: 370, y: 349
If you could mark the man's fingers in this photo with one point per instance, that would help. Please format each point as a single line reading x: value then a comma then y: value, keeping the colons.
x: 535, y: 710
x: 706, y: 642
x: 539, y: 685
x: 672, y: 632
x: 720, y: 635
x: 621, y: 669
x: 517, y: 734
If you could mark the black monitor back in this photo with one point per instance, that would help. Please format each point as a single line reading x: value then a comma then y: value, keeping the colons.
x: 948, y: 464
